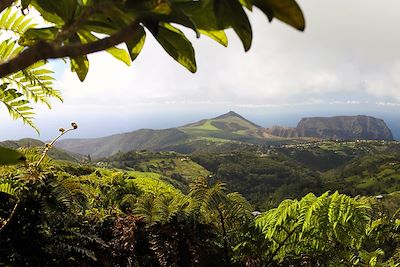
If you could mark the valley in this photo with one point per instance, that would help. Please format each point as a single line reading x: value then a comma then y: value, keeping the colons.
x: 267, y: 175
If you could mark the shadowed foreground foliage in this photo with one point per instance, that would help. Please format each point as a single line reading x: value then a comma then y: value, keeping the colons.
x: 67, y: 214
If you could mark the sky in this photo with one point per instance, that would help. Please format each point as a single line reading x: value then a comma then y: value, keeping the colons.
x: 347, y: 62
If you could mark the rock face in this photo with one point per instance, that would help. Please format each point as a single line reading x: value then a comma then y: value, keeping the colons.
x: 287, y: 132
x: 340, y: 127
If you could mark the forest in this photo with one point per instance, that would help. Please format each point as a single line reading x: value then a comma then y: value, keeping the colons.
x: 146, y: 208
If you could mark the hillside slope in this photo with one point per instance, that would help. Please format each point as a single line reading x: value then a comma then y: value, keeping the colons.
x: 137, y: 140
x: 227, y: 130
x: 54, y: 153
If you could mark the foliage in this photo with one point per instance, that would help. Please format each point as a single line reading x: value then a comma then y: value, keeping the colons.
x: 33, y: 84
x: 84, y: 215
x: 315, y: 226
x: 265, y: 181
x: 9, y: 156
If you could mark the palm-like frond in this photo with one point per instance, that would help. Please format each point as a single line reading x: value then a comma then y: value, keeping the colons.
x: 11, y: 20
x: 36, y: 83
x: 33, y: 84
x: 7, y: 188
x: 315, y: 224
x: 18, y: 107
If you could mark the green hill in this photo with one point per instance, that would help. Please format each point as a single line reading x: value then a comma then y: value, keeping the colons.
x: 138, y: 140
x: 228, y: 131
x: 229, y: 122
x: 229, y: 126
x: 175, y: 168
x: 54, y: 153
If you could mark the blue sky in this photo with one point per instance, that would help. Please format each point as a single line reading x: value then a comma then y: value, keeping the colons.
x: 347, y: 62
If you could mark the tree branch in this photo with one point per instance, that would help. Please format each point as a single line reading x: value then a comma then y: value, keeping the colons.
x: 48, y: 50
x: 5, y: 3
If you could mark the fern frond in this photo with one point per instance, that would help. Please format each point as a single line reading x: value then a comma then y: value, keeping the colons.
x: 8, y: 48
x: 13, y: 21
x: 35, y: 83
x: 18, y: 107
x: 7, y: 188
x: 238, y: 205
x: 312, y: 224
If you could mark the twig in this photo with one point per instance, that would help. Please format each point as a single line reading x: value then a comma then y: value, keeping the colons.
x: 13, y: 212
x: 8, y: 220
x: 50, y: 145
x: 280, y: 245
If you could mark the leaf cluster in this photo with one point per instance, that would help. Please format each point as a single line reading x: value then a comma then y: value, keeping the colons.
x: 34, y: 84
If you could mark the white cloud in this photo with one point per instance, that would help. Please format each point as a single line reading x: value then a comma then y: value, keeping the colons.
x: 347, y: 56
x: 340, y: 53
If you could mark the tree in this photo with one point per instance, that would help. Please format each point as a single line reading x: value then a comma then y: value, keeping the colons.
x: 72, y: 29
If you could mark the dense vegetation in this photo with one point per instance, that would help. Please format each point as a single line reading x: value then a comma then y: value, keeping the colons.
x: 267, y: 175
x: 163, y: 209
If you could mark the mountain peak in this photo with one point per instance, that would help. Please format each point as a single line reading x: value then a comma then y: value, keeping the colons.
x: 232, y: 114
x: 229, y: 114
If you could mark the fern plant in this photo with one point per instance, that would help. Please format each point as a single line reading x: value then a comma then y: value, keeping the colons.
x: 325, y: 229
x: 34, y: 84
x: 6, y: 188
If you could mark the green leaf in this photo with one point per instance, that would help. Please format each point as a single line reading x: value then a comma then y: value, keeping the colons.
x: 218, y: 36
x: 84, y: 2
x: 17, y: 106
x: 5, y: 16
x: 80, y: 65
x: 288, y: 11
x: 118, y: 53
x: 231, y: 13
x: 6, y: 188
x: 48, y: 10
x: 247, y: 3
x: 10, y: 156
x: 60, y: 9
x: 32, y: 36
x: 25, y: 3
x: 202, y: 14
x: 12, y: 20
x: 136, y: 43
x: 176, y: 45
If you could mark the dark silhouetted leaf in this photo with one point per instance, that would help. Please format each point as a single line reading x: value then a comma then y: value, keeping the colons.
x: 287, y: 11
x: 136, y: 43
x: 176, y: 45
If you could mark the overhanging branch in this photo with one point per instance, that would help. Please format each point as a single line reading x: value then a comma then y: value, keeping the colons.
x: 48, y: 50
x: 5, y: 3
